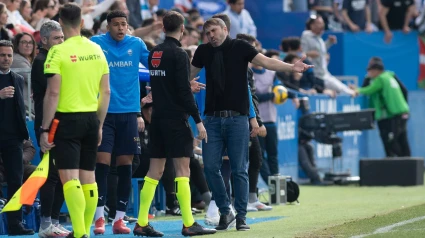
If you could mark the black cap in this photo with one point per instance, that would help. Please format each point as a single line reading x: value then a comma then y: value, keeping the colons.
x: 376, y: 65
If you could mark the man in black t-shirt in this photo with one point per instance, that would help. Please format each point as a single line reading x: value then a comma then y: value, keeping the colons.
x: 395, y: 15
x: 226, y: 109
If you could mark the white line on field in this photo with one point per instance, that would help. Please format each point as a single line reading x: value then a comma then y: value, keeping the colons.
x: 386, y: 229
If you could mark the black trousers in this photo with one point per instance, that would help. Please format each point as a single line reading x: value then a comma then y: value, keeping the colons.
x: 393, y: 133
x: 51, y: 193
x: 270, y: 165
x: 255, y: 162
x: 11, y: 151
x: 307, y: 161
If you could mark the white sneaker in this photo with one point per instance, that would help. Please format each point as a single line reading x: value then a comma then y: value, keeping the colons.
x: 51, y: 231
x: 62, y: 228
x: 259, y: 206
x: 251, y: 208
x: 212, y: 220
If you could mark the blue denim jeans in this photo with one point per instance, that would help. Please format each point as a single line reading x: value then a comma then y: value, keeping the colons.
x: 231, y: 133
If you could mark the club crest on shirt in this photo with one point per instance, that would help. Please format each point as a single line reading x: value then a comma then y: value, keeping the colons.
x: 156, y: 59
x: 130, y: 52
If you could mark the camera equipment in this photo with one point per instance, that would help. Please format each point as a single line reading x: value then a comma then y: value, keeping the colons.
x: 323, y: 127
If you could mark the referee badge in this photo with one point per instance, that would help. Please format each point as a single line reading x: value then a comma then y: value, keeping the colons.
x: 130, y: 52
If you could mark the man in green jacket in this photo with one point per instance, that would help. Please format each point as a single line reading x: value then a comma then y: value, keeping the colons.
x: 391, y: 109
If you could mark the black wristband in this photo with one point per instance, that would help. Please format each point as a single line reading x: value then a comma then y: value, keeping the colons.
x: 139, y: 114
x: 41, y: 130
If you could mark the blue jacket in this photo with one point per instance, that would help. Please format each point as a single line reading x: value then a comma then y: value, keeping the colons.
x: 123, y: 60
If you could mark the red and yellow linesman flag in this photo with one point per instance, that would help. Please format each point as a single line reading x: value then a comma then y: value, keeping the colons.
x: 28, y: 191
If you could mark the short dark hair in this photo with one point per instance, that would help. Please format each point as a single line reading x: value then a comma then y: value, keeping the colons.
x: 232, y: 1
x: 271, y: 53
x: 114, y: 14
x: 246, y: 37
x: 70, y: 14
x: 294, y: 43
x: 290, y: 57
x: 6, y: 43
x: 192, y: 11
x: 148, y: 22
x: 376, y: 59
x: 86, y: 33
x: 172, y: 21
x: 161, y: 12
x: 225, y: 18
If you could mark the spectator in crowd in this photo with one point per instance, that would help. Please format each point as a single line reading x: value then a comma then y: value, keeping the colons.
x: 315, y: 48
x: 148, y: 8
x: 357, y: 15
x: 94, y: 11
x: 12, y: 7
x: 135, y: 15
x: 391, y: 109
x: 13, y: 131
x: 40, y: 11
x: 289, y: 79
x: 396, y: 15
x: 24, y: 8
x: 240, y: 18
x: 154, y: 35
x: 299, y: 5
x: 24, y: 47
x: 5, y: 34
x: 25, y: 11
x: 194, y: 36
x: 324, y: 9
x: 308, y: 82
x: 196, y: 21
x: 51, y: 193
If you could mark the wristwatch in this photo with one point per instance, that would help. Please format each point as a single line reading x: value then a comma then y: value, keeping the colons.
x: 41, y: 130
x: 139, y: 114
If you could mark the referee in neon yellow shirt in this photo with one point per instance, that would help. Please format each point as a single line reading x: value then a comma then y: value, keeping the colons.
x: 78, y: 96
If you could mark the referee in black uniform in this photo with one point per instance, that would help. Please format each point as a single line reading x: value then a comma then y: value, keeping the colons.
x: 171, y: 136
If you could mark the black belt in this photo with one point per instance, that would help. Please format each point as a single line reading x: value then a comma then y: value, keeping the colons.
x: 228, y: 113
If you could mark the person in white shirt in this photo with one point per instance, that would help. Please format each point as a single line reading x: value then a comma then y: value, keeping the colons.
x: 240, y: 18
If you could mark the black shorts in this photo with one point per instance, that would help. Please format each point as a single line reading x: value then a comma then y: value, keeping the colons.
x: 170, y: 138
x: 120, y: 134
x: 76, y: 141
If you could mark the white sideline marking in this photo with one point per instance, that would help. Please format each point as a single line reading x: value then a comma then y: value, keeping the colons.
x: 386, y: 229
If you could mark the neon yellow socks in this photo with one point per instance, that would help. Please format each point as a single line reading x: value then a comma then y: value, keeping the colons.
x: 184, y: 197
x: 146, y: 196
x: 91, y: 195
x: 76, y: 204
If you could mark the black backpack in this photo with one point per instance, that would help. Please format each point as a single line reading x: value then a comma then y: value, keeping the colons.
x: 292, y: 190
